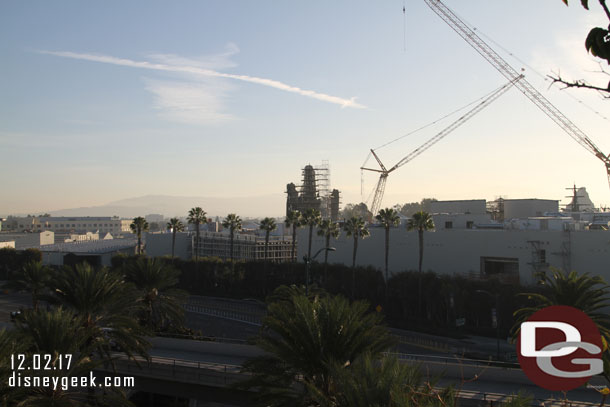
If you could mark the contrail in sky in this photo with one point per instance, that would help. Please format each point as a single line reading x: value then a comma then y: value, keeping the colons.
x: 207, y: 72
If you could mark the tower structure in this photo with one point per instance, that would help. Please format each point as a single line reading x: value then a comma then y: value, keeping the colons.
x: 314, y: 192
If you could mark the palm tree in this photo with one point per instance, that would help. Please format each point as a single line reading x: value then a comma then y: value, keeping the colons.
x: 388, y: 217
x: 328, y: 229
x: 138, y: 226
x: 311, y: 217
x: 422, y: 221
x: 233, y: 223
x: 196, y: 217
x: 33, y: 277
x: 106, y: 304
x: 176, y: 226
x: 382, y: 383
x: 356, y: 228
x: 268, y: 225
x: 302, y: 338
x: 294, y: 220
x: 154, y: 280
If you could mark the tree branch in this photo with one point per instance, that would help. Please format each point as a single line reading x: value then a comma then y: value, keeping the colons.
x: 580, y: 84
x: 603, y: 4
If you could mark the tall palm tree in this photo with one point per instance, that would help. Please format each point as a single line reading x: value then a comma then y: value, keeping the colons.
x: 233, y: 223
x: 176, y: 226
x: 328, y: 229
x: 33, y: 277
x: 294, y: 220
x: 268, y: 225
x: 196, y: 217
x: 302, y: 338
x: 355, y: 228
x: 311, y: 217
x: 154, y: 280
x: 388, y: 217
x: 420, y: 221
x: 107, y: 305
x: 138, y: 226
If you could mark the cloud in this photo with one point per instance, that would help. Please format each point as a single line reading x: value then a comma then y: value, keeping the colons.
x: 177, y: 97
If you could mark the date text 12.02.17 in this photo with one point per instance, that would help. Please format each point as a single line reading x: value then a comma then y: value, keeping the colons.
x: 40, y: 362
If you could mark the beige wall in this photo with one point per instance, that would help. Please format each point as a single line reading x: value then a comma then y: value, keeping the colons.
x: 460, y: 251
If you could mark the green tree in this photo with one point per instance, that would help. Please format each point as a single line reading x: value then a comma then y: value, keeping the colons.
x: 355, y: 210
x: 33, y: 277
x: 294, y: 220
x: 176, y: 226
x: 382, y: 383
x: 328, y: 229
x: 155, y: 281
x: 233, y: 223
x: 58, y: 333
x: 106, y: 304
x: 138, y: 226
x: 422, y: 222
x: 388, y: 218
x: 311, y: 217
x: 356, y: 229
x: 268, y: 225
x: 196, y: 216
x: 302, y: 338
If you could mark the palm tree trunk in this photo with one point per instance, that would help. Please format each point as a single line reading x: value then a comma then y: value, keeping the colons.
x: 294, y: 242
x: 266, y: 245
x: 173, y: 241
x: 354, y: 267
x: 326, y: 258
x: 197, y: 241
x: 139, y: 241
x: 231, y: 244
x: 387, y: 255
x: 309, y: 248
x: 421, y: 258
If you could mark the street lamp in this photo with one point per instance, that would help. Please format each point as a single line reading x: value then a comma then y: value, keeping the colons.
x: 497, y: 320
x: 308, y: 265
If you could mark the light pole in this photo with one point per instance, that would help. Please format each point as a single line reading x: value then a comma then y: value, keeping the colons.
x: 497, y: 319
x: 308, y: 265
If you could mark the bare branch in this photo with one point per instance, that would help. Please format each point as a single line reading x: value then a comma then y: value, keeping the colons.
x: 580, y: 84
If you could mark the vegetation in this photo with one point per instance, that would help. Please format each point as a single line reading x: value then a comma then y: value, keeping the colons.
x: 175, y: 225
x: 355, y: 228
x: 294, y: 220
x: 388, y: 218
x: 268, y: 225
x: 32, y: 277
x: 328, y: 229
x: 196, y: 216
x: 311, y: 218
x: 304, y: 338
x: 138, y: 226
x: 233, y: 223
x: 421, y: 221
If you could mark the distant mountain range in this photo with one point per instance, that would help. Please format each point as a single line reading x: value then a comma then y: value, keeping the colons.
x: 246, y: 207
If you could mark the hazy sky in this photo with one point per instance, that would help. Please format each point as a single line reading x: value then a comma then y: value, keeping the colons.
x: 101, y: 101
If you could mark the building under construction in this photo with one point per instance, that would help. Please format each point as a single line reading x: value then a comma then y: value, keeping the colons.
x: 314, y: 192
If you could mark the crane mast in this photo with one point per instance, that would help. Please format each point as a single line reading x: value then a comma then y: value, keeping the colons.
x: 525, y: 87
x: 384, y: 172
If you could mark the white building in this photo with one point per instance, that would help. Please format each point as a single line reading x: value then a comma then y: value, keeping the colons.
x: 25, y: 240
x: 64, y: 224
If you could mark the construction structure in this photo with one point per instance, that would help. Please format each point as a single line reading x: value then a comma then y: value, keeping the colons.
x: 314, y: 192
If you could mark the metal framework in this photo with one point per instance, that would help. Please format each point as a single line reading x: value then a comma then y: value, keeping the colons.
x: 384, y: 172
x: 525, y: 87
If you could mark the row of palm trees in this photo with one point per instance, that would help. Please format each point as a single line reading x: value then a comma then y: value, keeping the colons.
x: 354, y: 227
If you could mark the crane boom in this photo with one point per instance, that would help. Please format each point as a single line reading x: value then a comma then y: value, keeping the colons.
x: 447, y: 15
x: 485, y: 102
x: 383, y: 177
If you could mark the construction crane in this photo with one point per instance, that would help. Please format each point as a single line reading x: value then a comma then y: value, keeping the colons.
x: 525, y: 87
x: 384, y: 172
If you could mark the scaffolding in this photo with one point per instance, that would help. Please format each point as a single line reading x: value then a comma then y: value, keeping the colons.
x: 314, y: 192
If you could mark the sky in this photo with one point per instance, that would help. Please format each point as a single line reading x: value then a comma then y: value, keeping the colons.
x: 102, y: 101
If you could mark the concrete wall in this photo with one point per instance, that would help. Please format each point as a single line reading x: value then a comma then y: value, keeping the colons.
x: 25, y: 240
x: 460, y: 251
x: 525, y: 208
x: 473, y: 206
x: 160, y: 244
